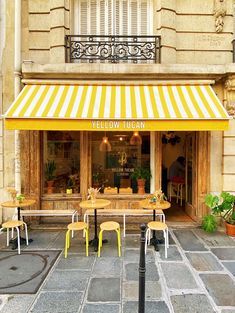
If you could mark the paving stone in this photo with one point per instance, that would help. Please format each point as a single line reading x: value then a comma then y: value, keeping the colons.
x: 221, y: 287
x: 59, y: 302
x: 178, y: 276
x: 224, y: 253
x: 214, y: 239
x: 132, y: 272
x: 76, y: 261
x: 101, y: 308
x: 204, y: 261
x: 104, y: 290
x: 230, y: 266
x: 159, y: 235
x: 228, y: 311
x: 106, y: 267
x: 133, y: 255
x: 41, y: 240
x: 132, y: 241
x: 193, y: 303
x: 18, y: 303
x: 188, y: 240
x: 172, y: 253
x: 150, y: 307
x: 153, y: 290
x: 67, y: 280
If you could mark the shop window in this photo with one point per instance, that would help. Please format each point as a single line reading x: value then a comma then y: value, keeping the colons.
x: 114, y: 168
x: 61, y: 161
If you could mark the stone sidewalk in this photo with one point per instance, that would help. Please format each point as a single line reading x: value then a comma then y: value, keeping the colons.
x: 197, y: 276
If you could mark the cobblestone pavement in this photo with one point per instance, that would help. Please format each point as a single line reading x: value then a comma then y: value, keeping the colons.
x: 197, y: 276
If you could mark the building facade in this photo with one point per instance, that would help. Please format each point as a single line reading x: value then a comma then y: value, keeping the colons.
x: 193, y: 46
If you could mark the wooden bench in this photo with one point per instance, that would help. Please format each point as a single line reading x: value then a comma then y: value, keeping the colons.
x: 124, y: 213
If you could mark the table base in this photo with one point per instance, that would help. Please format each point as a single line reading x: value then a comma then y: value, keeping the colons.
x: 14, y: 242
x: 155, y: 242
x: 95, y: 242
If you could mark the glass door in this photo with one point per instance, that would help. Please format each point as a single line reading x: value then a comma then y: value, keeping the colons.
x: 190, y: 174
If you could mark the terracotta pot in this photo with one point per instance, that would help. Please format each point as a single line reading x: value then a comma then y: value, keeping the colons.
x: 141, y: 186
x: 230, y: 229
x: 50, y: 186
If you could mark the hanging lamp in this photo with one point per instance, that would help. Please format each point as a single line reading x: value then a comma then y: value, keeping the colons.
x: 105, y: 146
x: 136, y: 139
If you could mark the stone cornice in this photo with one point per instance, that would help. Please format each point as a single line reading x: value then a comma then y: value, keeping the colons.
x: 126, y: 71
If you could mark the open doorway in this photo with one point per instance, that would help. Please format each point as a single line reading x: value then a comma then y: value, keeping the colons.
x: 179, y: 173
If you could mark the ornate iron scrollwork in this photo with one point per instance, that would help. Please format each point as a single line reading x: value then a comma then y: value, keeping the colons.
x: 115, y: 49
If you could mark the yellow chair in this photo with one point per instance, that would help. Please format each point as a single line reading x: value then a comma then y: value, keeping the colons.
x: 157, y: 226
x: 15, y: 224
x: 110, y: 226
x: 73, y: 227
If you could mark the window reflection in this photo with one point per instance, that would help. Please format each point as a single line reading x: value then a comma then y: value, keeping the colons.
x: 114, y: 168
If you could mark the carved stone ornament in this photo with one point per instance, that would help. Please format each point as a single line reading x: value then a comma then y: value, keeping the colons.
x: 219, y: 14
x: 231, y: 109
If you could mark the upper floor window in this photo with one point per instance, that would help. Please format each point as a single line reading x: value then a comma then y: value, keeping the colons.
x: 113, y: 17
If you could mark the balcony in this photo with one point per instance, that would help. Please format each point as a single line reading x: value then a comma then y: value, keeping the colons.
x: 112, y: 49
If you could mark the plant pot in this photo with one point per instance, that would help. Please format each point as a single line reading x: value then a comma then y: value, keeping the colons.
x: 230, y: 229
x: 50, y: 184
x: 141, y: 186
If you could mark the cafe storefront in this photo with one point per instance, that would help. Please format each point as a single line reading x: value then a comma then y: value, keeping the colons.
x: 98, y: 134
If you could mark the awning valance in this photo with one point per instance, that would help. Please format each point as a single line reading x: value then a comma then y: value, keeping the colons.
x: 101, y: 107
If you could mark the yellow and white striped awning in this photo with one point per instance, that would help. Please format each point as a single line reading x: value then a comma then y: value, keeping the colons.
x: 99, y: 107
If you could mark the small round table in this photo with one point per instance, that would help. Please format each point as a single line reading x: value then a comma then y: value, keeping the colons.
x: 154, y: 206
x: 95, y: 204
x: 19, y: 205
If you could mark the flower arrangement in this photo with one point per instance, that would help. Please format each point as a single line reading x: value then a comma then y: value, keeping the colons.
x: 12, y: 192
x: 92, y: 193
x: 157, y: 196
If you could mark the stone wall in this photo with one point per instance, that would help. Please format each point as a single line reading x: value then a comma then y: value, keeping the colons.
x: 187, y: 28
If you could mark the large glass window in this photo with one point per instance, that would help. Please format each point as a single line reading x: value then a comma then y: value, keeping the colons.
x: 61, y: 161
x: 114, y: 168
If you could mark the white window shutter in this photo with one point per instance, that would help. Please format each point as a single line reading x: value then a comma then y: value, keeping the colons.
x: 113, y: 17
x: 83, y: 23
x: 133, y: 17
x: 102, y: 17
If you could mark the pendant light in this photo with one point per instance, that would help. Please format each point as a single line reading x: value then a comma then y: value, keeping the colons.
x: 105, y: 146
x: 136, y: 139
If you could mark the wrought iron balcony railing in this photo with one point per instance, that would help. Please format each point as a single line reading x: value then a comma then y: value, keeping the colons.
x: 114, y: 49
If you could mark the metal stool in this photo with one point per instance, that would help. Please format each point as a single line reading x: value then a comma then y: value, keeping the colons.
x: 73, y: 227
x: 15, y: 224
x: 157, y: 226
x: 110, y: 226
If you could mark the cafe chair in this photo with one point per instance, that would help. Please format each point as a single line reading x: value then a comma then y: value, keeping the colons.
x: 74, y: 227
x: 15, y: 225
x: 178, y: 191
x: 110, y: 226
x: 157, y: 226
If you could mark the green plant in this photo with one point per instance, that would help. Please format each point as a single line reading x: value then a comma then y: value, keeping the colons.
x: 141, y: 173
x: 20, y: 197
x: 50, y: 168
x: 209, y: 223
x: 222, y: 205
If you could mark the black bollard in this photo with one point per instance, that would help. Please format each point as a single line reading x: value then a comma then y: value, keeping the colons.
x: 142, y: 270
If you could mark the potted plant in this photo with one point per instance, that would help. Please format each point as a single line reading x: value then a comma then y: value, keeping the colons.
x: 222, y: 206
x: 141, y: 174
x: 50, y: 168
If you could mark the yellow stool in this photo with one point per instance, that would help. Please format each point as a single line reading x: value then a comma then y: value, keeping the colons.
x: 72, y: 227
x: 157, y: 226
x: 15, y: 224
x: 109, y: 226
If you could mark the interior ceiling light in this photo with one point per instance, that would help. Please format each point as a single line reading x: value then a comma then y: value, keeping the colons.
x: 105, y: 146
x: 136, y: 139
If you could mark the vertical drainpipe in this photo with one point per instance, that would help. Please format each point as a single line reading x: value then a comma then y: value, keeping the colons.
x: 17, y: 73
